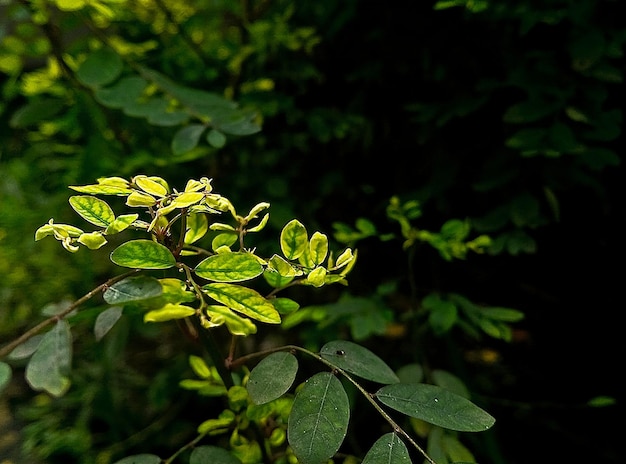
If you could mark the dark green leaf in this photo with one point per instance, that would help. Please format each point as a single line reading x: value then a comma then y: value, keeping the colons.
x: 358, y: 360
x: 144, y: 109
x: 229, y: 267
x: 272, y: 377
x: 133, y: 289
x: 388, y: 449
x: 106, y: 320
x: 167, y: 118
x: 215, y: 138
x: 123, y: 93
x: 435, y: 405
x: 50, y: 365
x: 319, y: 419
x: 140, y: 459
x: 143, y: 254
x: 212, y: 455
x: 35, y: 111
x: 5, y: 375
x: 100, y: 68
x: 187, y: 138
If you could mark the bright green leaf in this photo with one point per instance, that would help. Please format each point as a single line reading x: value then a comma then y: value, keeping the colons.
x: 100, y: 68
x: 168, y: 312
x: 197, y: 227
x: 293, y: 239
x: 272, y: 377
x: 106, y: 320
x: 132, y: 289
x: 50, y: 365
x: 285, y: 305
x: 229, y: 267
x: 105, y: 186
x: 244, y: 300
x: 435, y: 405
x: 92, y: 240
x: 388, y: 449
x: 319, y: 419
x: 152, y: 185
x: 93, y: 210
x: 358, y: 360
x: 121, y: 223
x: 319, y: 247
x: 143, y: 254
x: 236, y: 324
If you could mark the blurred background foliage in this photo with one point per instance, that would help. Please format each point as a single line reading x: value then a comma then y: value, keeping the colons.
x: 408, y: 130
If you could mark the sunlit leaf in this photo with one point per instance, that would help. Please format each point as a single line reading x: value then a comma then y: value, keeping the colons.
x: 293, y: 239
x: 435, y: 405
x: 132, y: 289
x: 92, y: 240
x: 229, y: 267
x: 358, y: 360
x: 121, y: 223
x: 285, y: 305
x: 106, y: 320
x: 272, y: 377
x: 237, y: 325
x: 152, y: 185
x: 319, y: 247
x: 169, y: 312
x: 143, y: 254
x: 197, y: 227
x: 244, y: 300
x: 49, y: 367
x: 319, y: 419
x: 388, y: 449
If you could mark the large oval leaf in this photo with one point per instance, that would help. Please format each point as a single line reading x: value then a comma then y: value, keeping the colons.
x: 435, y: 405
x: 143, y: 254
x: 319, y: 419
x: 50, y: 365
x: 132, y: 289
x: 244, y: 300
x: 272, y: 377
x: 358, y: 360
x: 93, y: 209
x: 229, y: 267
x: 388, y: 449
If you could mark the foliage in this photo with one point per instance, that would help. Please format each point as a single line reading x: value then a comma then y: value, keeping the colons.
x: 310, y: 425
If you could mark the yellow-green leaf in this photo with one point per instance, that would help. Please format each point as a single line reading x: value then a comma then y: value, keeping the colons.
x: 92, y: 240
x: 293, y: 239
x: 229, y: 267
x: 105, y: 186
x: 197, y: 227
x: 140, y: 199
x: 168, y: 313
x: 236, y: 324
x: 121, y: 223
x: 243, y: 300
x: 318, y: 247
x: 316, y: 277
x: 153, y: 185
x: 93, y: 210
x: 143, y: 254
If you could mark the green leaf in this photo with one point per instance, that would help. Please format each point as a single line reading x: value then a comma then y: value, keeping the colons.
x: 50, y: 365
x: 293, y: 239
x: 167, y: 118
x: 143, y: 254
x: 388, y: 449
x: 106, y: 320
x: 5, y: 375
x: 92, y: 240
x: 35, y: 112
x: 229, y: 267
x: 435, y: 405
x: 318, y: 247
x: 124, y: 93
x: 272, y: 377
x: 105, y: 186
x: 197, y: 227
x: 168, y: 312
x: 319, y: 419
x: 212, y: 455
x: 187, y: 138
x: 244, y: 300
x: 121, y: 223
x: 100, y: 68
x: 285, y: 305
x: 140, y: 459
x: 358, y: 360
x: 132, y: 289
x: 237, y: 325
x: 215, y: 138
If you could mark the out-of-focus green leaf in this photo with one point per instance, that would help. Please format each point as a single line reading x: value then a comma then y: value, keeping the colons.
x: 187, y: 138
x: 212, y: 455
x: 140, y: 459
x: 100, y: 68
x: 215, y: 138
x: 435, y: 405
x: 5, y: 375
x: 319, y: 419
x: 272, y: 377
x: 35, y: 112
x: 106, y: 320
x: 143, y: 254
x: 358, y: 360
x: 123, y: 93
x: 49, y: 367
